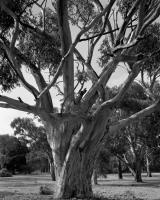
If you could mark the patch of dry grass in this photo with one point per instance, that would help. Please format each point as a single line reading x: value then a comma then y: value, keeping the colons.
x: 28, y: 187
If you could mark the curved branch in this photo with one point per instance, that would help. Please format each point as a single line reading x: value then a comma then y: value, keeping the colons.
x: 147, y: 111
x: 126, y: 21
x: 16, y: 68
x: 15, y: 35
x: 15, y: 104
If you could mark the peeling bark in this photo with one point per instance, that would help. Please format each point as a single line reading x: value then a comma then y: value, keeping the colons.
x: 74, y: 161
x: 75, y: 177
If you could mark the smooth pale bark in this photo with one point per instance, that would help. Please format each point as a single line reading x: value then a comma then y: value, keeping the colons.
x: 94, y: 177
x: 52, y: 171
x: 149, y: 174
x: 132, y: 171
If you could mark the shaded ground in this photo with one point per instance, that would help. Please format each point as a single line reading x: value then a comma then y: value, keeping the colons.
x: 27, y: 188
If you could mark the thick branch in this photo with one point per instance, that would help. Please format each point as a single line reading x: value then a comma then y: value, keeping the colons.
x: 66, y: 43
x: 90, y: 71
x: 154, y: 16
x: 73, y: 46
x: 147, y: 111
x: 126, y: 21
x: 105, y: 76
x: 15, y: 104
x: 15, y: 35
x: 16, y: 68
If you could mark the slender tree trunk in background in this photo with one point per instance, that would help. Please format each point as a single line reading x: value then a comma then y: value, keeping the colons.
x: 138, y: 171
x: 52, y: 171
x: 94, y: 177
x: 149, y: 174
x: 132, y: 171
x: 120, y: 176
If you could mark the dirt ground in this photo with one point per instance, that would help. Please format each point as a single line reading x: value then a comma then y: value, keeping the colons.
x: 27, y: 187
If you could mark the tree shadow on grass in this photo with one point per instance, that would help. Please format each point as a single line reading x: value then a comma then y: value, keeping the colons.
x: 123, y: 183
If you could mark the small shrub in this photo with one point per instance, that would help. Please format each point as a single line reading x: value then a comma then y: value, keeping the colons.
x: 5, y: 173
x: 45, y: 190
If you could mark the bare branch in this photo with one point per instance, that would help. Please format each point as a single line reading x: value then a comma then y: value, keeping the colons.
x: 98, y: 38
x: 15, y: 104
x: 15, y: 35
x: 104, y: 77
x: 51, y: 37
x: 55, y: 76
x: 95, y: 20
x: 16, y: 68
x: 99, y: 34
x: 73, y: 46
x: 154, y: 16
x: 90, y: 71
x: 126, y: 21
x: 128, y: 45
x: 141, y: 16
x: 147, y: 111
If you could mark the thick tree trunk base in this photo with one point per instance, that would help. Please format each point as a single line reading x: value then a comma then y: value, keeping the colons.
x: 138, y: 177
x: 75, y: 178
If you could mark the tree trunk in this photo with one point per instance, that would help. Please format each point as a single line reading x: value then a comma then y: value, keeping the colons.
x: 74, y: 149
x: 120, y: 176
x: 75, y: 177
x: 52, y: 171
x: 94, y: 176
x: 149, y: 174
x: 138, y: 171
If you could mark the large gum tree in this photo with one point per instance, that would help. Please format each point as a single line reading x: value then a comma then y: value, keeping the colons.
x: 45, y: 42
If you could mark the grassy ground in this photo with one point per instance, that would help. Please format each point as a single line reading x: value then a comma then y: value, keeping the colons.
x: 27, y: 188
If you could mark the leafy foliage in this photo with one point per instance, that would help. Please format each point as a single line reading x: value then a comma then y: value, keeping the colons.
x: 124, y: 6
x: 105, y: 51
x: 17, y: 7
x: 14, y: 152
x: 81, y: 11
x: 42, y: 52
x: 27, y: 131
x: 8, y: 78
x: 148, y: 45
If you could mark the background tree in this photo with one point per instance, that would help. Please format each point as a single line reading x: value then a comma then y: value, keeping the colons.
x: 37, y: 162
x: 77, y: 132
x: 139, y: 140
x: 12, y: 153
x: 34, y: 136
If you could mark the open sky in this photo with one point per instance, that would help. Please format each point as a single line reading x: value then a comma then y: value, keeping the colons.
x: 7, y: 115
